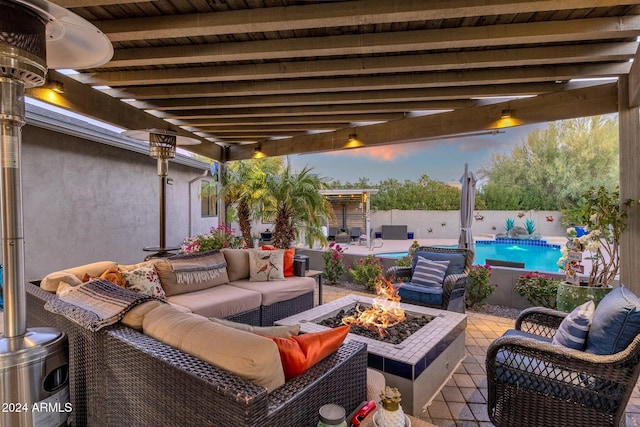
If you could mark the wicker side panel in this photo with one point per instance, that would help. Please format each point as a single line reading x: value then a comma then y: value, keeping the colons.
x: 280, y: 310
x: 251, y: 317
x: 152, y: 384
x: 340, y: 378
x: 85, y: 351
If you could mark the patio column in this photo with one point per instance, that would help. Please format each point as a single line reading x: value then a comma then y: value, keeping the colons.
x: 629, y: 132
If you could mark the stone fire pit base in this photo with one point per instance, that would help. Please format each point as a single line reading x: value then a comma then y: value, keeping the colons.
x: 420, y: 365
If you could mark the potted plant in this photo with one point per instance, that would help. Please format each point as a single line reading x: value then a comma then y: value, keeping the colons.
x: 603, y: 216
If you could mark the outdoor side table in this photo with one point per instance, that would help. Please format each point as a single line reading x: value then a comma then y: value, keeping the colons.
x: 317, y: 274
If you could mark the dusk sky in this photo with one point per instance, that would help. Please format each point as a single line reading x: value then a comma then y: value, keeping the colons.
x: 442, y: 160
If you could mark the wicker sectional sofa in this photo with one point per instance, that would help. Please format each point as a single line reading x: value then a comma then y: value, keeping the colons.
x: 120, y: 376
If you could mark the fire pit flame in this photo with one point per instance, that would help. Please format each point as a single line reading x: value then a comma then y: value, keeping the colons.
x: 384, y: 312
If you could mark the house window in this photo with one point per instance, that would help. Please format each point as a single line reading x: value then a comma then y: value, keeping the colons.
x: 208, y: 198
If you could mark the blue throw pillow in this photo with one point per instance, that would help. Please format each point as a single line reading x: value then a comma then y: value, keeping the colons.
x: 616, y: 322
x: 573, y: 330
x: 429, y: 273
x: 456, y: 260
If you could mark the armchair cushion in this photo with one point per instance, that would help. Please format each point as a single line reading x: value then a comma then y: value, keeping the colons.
x: 421, y: 294
x: 429, y: 273
x: 573, y: 330
x: 616, y: 322
x: 456, y: 260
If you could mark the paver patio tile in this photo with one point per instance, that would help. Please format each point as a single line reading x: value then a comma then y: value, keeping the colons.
x: 460, y: 411
x: 452, y: 394
x: 439, y: 410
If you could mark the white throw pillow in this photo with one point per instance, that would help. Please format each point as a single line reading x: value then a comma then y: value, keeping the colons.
x: 266, y: 266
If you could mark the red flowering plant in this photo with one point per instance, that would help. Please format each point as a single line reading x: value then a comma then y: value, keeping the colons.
x: 479, y: 286
x: 539, y: 289
x: 218, y: 237
x: 333, y: 263
x: 366, y: 270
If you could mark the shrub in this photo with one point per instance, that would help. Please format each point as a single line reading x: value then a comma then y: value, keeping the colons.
x: 366, y: 269
x: 539, y: 289
x: 479, y: 285
x: 333, y: 263
x: 218, y: 237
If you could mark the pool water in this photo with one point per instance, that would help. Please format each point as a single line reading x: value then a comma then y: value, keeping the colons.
x: 535, y: 254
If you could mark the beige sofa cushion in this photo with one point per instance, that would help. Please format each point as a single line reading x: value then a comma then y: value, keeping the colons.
x: 175, y: 282
x: 135, y: 316
x: 284, y: 331
x: 244, y: 354
x: 277, y: 291
x: 73, y: 276
x: 237, y: 263
x: 220, y: 301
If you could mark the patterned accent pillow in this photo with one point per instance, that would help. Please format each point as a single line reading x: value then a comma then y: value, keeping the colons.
x: 145, y: 280
x: 573, y: 330
x: 266, y: 266
x: 429, y: 273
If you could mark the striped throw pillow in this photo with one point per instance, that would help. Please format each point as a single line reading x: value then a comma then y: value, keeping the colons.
x: 429, y: 273
x: 573, y: 330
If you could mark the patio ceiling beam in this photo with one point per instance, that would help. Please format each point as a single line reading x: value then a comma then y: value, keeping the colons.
x: 316, y: 120
x: 312, y: 87
x: 409, y: 95
x: 548, y: 107
x: 87, y: 101
x: 85, y: 3
x: 399, y: 42
x: 325, y: 15
x: 497, y: 58
x: 316, y: 110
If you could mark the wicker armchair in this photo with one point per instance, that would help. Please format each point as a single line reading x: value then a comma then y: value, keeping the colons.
x: 534, y: 383
x: 453, y: 287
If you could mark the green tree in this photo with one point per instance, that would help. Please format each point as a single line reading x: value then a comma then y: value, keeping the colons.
x: 245, y: 186
x: 299, y: 204
x: 554, y: 166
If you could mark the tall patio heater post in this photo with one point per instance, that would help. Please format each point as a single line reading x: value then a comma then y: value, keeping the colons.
x: 33, y: 361
x: 162, y: 147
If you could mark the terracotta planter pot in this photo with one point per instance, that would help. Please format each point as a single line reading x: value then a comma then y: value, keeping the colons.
x: 570, y: 296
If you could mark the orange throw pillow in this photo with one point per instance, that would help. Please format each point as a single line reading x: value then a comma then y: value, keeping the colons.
x: 288, y: 259
x: 112, y: 275
x: 301, y: 352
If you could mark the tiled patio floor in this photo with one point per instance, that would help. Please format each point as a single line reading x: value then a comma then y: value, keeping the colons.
x: 462, y: 402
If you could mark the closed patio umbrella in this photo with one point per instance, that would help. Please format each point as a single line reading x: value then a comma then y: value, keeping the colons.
x: 467, y: 201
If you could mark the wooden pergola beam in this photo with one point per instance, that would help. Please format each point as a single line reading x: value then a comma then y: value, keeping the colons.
x: 592, y: 101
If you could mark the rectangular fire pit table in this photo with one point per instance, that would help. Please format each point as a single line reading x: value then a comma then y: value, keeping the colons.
x: 420, y: 365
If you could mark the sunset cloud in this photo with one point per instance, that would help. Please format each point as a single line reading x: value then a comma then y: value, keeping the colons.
x: 386, y: 153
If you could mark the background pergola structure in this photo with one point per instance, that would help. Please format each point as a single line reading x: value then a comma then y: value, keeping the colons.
x: 300, y: 76
x: 351, y: 208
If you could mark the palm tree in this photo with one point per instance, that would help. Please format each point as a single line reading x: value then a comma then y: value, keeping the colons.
x: 244, y: 184
x: 299, y: 204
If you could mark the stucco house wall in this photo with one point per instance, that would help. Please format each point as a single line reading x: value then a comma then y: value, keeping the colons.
x: 87, y: 201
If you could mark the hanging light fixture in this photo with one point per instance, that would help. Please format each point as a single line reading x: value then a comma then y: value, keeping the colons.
x: 353, y: 142
x: 258, y: 153
x: 162, y: 147
x: 506, y: 114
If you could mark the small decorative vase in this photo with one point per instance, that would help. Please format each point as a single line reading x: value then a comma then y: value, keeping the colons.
x: 570, y: 296
x: 391, y: 413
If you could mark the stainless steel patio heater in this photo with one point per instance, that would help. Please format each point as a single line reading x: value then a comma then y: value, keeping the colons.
x: 162, y: 147
x: 34, y: 35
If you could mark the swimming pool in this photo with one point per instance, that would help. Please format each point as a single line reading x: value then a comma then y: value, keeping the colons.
x: 535, y: 254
